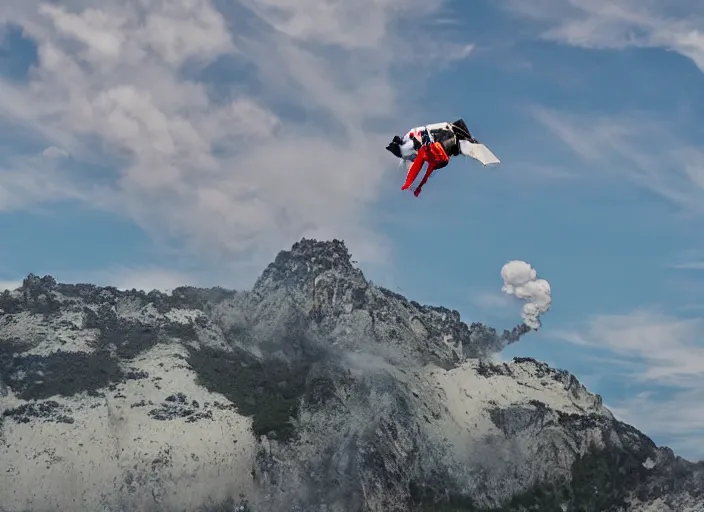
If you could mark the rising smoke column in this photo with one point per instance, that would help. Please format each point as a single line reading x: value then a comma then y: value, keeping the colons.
x: 521, y: 281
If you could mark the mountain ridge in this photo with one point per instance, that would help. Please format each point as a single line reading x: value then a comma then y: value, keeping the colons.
x: 314, y: 390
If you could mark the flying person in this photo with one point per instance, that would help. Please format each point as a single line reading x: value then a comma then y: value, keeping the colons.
x: 435, y: 144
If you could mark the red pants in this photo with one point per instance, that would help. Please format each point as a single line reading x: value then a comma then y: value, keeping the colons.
x: 436, y: 157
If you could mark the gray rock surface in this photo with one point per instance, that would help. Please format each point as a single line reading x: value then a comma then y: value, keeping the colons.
x: 314, y: 391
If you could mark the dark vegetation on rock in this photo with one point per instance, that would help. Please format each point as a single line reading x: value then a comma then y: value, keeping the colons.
x: 268, y: 391
x: 34, y: 377
x: 49, y: 410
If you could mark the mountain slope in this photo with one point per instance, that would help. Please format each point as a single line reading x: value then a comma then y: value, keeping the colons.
x: 315, y: 390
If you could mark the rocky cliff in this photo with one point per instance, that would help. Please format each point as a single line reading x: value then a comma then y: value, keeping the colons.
x: 314, y: 391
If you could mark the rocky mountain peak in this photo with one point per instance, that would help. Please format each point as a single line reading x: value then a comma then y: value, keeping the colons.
x: 316, y: 284
x: 305, y: 261
x: 35, y: 283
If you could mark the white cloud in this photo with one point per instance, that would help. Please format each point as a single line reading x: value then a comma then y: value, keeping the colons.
x: 617, y: 24
x: 227, y: 166
x: 654, y: 349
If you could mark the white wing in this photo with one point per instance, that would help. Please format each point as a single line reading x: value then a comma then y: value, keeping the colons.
x: 479, y: 152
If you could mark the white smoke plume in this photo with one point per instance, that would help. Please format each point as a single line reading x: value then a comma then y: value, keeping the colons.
x: 521, y: 281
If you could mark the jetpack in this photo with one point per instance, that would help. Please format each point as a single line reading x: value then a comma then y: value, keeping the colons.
x: 436, y: 144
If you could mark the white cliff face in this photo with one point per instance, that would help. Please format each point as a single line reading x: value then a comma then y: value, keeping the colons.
x: 480, y: 388
x: 487, y: 408
x: 315, y: 391
x: 156, y: 439
x: 84, y: 429
x: 503, y: 422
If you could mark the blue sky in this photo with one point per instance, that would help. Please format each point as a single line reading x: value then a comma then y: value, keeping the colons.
x: 162, y: 146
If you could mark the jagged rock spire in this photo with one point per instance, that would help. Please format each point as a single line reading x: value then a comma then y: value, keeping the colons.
x: 306, y: 260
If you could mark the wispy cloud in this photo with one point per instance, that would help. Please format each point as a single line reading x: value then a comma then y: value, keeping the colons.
x: 617, y: 24
x: 679, y: 418
x: 654, y: 349
x: 239, y: 128
x: 636, y: 147
x: 669, y: 349
x: 689, y: 265
x: 689, y: 260
x: 657, y: 153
